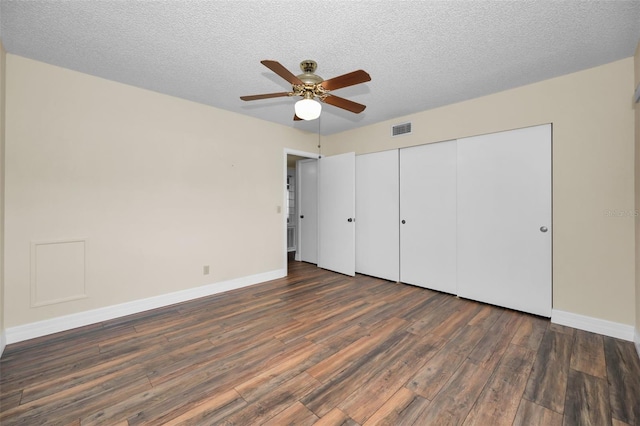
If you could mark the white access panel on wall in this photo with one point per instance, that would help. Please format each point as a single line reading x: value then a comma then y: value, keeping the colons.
x: 428, y: 216
x: 307, y: 178
x: 504, y: 219
x: 377, y: 198
x: 336, y: 213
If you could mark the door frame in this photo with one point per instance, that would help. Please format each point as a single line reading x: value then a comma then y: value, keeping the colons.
x: 285, y: 195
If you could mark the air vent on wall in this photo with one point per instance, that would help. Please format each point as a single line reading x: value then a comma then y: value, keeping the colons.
x: 401, y: 129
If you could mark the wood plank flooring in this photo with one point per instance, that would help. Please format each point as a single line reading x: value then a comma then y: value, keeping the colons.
x: 326, y: 349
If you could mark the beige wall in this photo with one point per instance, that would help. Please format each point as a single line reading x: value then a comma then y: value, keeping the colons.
x: 158, y: 187
x: 593, y: 172
x: 637, y: 191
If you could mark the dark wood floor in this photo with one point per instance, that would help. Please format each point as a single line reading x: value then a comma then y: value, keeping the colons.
x: 322, y: 348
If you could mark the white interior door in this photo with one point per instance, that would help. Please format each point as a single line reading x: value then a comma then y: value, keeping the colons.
x: 428, y: 216
x: 504, y: 219
x: 307, y: 179
x: 377, y: 210
x: 336, y: 213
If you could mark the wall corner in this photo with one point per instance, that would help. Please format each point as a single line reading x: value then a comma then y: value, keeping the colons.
x: 3, y: 56
x: 636, y: 81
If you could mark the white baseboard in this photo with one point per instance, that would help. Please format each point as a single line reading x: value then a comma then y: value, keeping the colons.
x: 594, y: 325
x: 67, y: 322
x: 3, y: 342
x: 637, y: 341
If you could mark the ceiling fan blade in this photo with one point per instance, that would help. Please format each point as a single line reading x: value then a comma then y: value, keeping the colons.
x: 281, y: 71
x: 344, y: 104
x: 296, y: 118
x: 265, y: 96
x: 346, y: 80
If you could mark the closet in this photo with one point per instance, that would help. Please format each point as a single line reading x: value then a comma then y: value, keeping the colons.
x: 377, y: 232
x: 504, y: 219
x: 428, y: 216
x: 336, y: 213
x: 470, y: 217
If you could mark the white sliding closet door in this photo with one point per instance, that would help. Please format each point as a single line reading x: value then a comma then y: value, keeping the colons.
x: 428, y: 216
x: 307, y: 210
x: 336, y: 213
x: 377, y: 198
x: 504, y: 219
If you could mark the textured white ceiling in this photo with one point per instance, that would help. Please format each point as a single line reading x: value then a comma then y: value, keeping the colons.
x: 420, y: 54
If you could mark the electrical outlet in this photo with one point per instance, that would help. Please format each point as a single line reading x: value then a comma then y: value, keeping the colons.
x: 205, y: 270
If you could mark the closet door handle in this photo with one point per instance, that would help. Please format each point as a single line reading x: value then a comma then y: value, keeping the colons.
x: 403, y: 221
x: 301, y: 216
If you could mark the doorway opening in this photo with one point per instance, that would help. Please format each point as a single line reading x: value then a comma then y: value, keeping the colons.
x: 292, y: 196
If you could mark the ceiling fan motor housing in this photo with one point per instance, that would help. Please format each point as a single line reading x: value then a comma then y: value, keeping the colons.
x: 308, y: 76
x: 308, y: 66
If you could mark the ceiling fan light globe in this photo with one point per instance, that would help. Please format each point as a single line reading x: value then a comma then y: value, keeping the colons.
x: 308, y: 109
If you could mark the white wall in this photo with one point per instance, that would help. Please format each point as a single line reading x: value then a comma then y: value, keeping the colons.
x: 155, y: 186
x: 593, y: 173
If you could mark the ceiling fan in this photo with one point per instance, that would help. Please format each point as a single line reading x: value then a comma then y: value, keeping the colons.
x: 311, y: 87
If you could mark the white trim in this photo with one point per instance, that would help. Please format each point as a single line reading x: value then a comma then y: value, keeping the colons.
x: 67, y: 322
x: 3, y: 342
x: 289, y: 151
x: 637, y: 341
x: 594, y: 325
